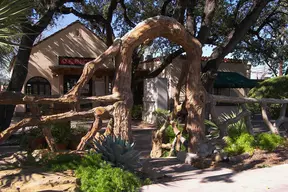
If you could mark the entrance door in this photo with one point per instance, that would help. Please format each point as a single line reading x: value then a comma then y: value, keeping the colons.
x: 71, y: 80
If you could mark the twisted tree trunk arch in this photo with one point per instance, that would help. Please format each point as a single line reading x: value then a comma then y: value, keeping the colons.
x: 122, y: 49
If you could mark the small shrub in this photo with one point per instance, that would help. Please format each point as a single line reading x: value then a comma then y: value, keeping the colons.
x: 269, y: 142
x: 106, y: 179
x: 161, y: 116
x: 94, y: 173
x: 33, y: 139
x: 271, y: 88
x: 61, y: 132
x: 243, y: 144
x: 136, y: 112
x: 61, y: 162
x: 212, y: 129
x: 235, y: 130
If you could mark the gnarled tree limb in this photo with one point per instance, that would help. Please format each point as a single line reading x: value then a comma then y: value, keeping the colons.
x: 71, y: 115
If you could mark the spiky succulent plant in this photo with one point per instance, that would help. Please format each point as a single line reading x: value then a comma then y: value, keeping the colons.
x: 118, y: 152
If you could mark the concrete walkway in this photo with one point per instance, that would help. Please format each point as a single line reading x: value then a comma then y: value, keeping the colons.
x: 272, y: 179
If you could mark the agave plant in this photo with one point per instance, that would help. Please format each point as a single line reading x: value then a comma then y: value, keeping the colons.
x: 235, y: 129
x: 118, y: 152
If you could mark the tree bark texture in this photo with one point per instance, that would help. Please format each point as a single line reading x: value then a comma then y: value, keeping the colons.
x: 96, y: 126
x: 157, y: 140
x: 18, y: 77
x: 265, y: 117
x: 71, y: 115
x: 159, y: 26
x: 122, y: 49
x: 195, y: 105
x: 49, y: 138
x: 122, y: 121
x: 20, y: 68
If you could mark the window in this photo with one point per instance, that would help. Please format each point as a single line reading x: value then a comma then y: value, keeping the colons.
x: 38, y: 86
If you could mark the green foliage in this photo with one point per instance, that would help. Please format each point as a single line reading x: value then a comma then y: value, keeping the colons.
x: 12, y: 13
x: 271, y: 88
x: 212, y: 129
x: 106, y: 179
x: 118, y: 152
x: 30, y: 137
x: 136, y: 112
x: 235, y: 129
x: 161, y: 116
x: 238, y: 140
x: 242, y: 144
x: 94, y: 173
x: 169, y: 134
x: 61, y: 132
x: 63, y: 162
x: 269, y: 142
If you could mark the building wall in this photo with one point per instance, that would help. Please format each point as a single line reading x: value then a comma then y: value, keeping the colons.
x: 172, y: 73
x: 73, y: 41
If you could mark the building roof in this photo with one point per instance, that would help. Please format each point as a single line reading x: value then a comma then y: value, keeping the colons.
x: 203, y: 58
x: 12, y: 62
x: 57, y: 32
x: 233, y: 80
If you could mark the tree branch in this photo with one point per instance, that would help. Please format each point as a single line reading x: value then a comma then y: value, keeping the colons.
x: 71, y: 115
x: 165, y: 63
x: 92, y: 18
x: 209, y: 10
x: 191, y: 24
x: 164, y: 7
x: 179, y: 11
x: 235, y: 36
x: 126, y: 18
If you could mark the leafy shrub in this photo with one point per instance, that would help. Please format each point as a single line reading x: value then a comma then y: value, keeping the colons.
x: 243, y: 144
x: 271, y: 88
x: 94, y: 173
x: 269, y: 142
x: 212, y: 129
x: 33, y: 139
x: 161, y: 116
x: 106, y: 179
x: 118, y: 152
x: 136, y: 112
x: 169, y: 134
x: 236, y: 129
x: 61, y: 132
x: 62, y: 162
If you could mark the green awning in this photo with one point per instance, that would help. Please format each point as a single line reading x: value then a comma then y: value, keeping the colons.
x: 233, y: 80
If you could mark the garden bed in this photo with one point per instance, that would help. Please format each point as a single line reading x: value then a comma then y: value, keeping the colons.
x: 259, y: 159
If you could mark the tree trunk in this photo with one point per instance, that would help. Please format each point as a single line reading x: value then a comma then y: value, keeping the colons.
x: 49, y: 138
x: 18, y: 77
x: 96, y: 126
x: 157, y: 139
x: 195, y: 103
x: 181, y: 82
x: 122, y: 121
x: 265, y: 117
x: 159, y: 26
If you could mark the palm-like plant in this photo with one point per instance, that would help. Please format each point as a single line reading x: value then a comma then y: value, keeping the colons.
x: 12, y: 14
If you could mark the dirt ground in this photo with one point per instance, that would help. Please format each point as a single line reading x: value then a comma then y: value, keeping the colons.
x: 259, y: 159
x: 13, y: 179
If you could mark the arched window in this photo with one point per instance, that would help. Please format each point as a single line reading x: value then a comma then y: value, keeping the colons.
x: 38, y: 86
